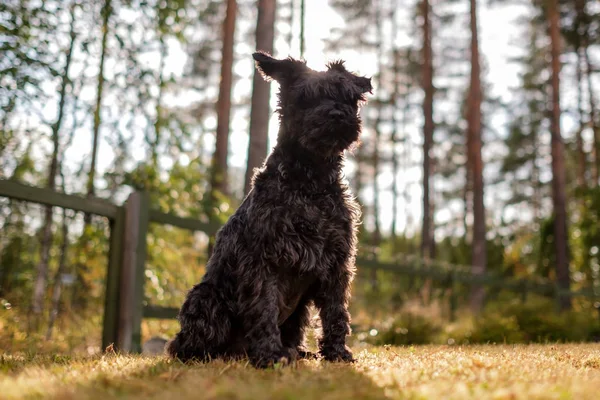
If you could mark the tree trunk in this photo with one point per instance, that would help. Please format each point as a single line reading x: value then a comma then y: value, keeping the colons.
x: 159, y: 122
x: 91, y: 191
x: 394, y: 105
x: 290, y: 37
x: 302, y: 26
x: 41, y: 274
x: 581, y: 160
x: 558, y: 162
x: 432, y: 246
x: 395, y: 168
x: 468, y: 192
x: 428, y: 127
x: 594, y: 123
x: 261, y: 90
x: 80, y: 288
x: 478, y: 263
x: 62, y: 267
x: 535, y: 177
x: 376, y: 219
x: 377, y: 127
x: 219, y: 181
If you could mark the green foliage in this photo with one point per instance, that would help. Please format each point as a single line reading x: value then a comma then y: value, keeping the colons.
x: 74, y: 333
x: 547, y: 256
x: 533, y: 322
x: 407, y: 329
x: 17, y: 262
x: 505, y: 321
x: 585, y: 237
x: 496, y: 329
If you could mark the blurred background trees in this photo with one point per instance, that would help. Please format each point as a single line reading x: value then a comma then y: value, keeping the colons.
x: 477, y: 150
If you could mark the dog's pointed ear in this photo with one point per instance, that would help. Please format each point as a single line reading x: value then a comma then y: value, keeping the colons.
x: 364, y: 84
x: 280, y: 70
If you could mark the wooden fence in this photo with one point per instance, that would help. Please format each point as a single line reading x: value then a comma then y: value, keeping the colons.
x: 124, y: 306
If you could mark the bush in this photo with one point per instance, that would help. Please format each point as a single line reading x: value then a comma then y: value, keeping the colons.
x: 508, y: 322
x: 533, y: 322
x: 407, y: 329
x: 496, y: 329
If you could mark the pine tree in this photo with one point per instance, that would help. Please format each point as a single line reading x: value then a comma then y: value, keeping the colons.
x: 427, y: 239
x: 106, y: 13
x: 41, y: 275
x: 261, y: 90
x: 219, y: 181
x: 479, y: 261
x: 558, y: 163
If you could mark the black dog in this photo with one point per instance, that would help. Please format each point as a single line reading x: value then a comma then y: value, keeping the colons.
x: 292, y: 241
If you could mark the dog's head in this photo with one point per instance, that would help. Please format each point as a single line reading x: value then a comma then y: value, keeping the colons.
x: 319, y: 110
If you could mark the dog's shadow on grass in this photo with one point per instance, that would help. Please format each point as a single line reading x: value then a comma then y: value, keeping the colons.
x: 158, y: 377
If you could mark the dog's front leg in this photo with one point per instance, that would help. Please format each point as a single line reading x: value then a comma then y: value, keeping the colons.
x: 262, y: 333
x: 332, y: 302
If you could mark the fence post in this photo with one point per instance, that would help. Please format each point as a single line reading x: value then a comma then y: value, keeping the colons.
x: 113, y: 273
x: 133, y: 272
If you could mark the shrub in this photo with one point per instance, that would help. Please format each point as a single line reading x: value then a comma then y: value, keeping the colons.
x: 494, y: 328
x: 407, y: 329
x: 534, y: 322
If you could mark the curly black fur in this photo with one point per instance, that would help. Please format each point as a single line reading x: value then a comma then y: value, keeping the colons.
x: 292, y: 241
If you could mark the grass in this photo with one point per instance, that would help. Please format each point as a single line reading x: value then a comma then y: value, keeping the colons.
x: 422, y: 372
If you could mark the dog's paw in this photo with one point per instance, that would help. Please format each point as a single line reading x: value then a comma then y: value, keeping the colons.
x: 301, y: 354
x: 306, y: 355
x: 281, y: 358
x: 337, y: 354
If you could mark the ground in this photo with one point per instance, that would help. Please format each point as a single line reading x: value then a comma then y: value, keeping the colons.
x: 423, y: 372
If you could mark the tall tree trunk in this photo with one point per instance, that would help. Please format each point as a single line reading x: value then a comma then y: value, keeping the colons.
x: 376, y: 189
x: 478, y: 263
x: 376, y: 238
x: 558, y: 161
x: 432, y: 245
x: 358, y: 179
x: 159, y: 122
x: 581, y: 160
x: 41, y: 274
x: 62, y: 267
x: 81, y: 288
x: 394, y: 105
x: 219, y: 180
x: 302, y: 26
x: 377, y: 127
x: 91, y: 191
x: 535, y: 177
x: 468, y: 193
x: 290, y: 37
x: 404, y: 167
x: 428, y: 127
x: 395, y: 168
x: 594, y: 123
x: 261, y: 90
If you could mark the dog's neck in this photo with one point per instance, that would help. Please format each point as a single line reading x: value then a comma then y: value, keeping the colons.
x: 295, y: 162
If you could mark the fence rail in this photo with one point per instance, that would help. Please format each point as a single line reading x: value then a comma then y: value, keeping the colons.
x: 124, y: 306
x: 183, y: 223
x: 48, y: 197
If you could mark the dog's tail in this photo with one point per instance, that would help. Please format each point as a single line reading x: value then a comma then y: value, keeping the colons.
x: 205, y: 325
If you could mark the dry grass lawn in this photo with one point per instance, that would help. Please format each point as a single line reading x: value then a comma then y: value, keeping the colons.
x: 428, y: 372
